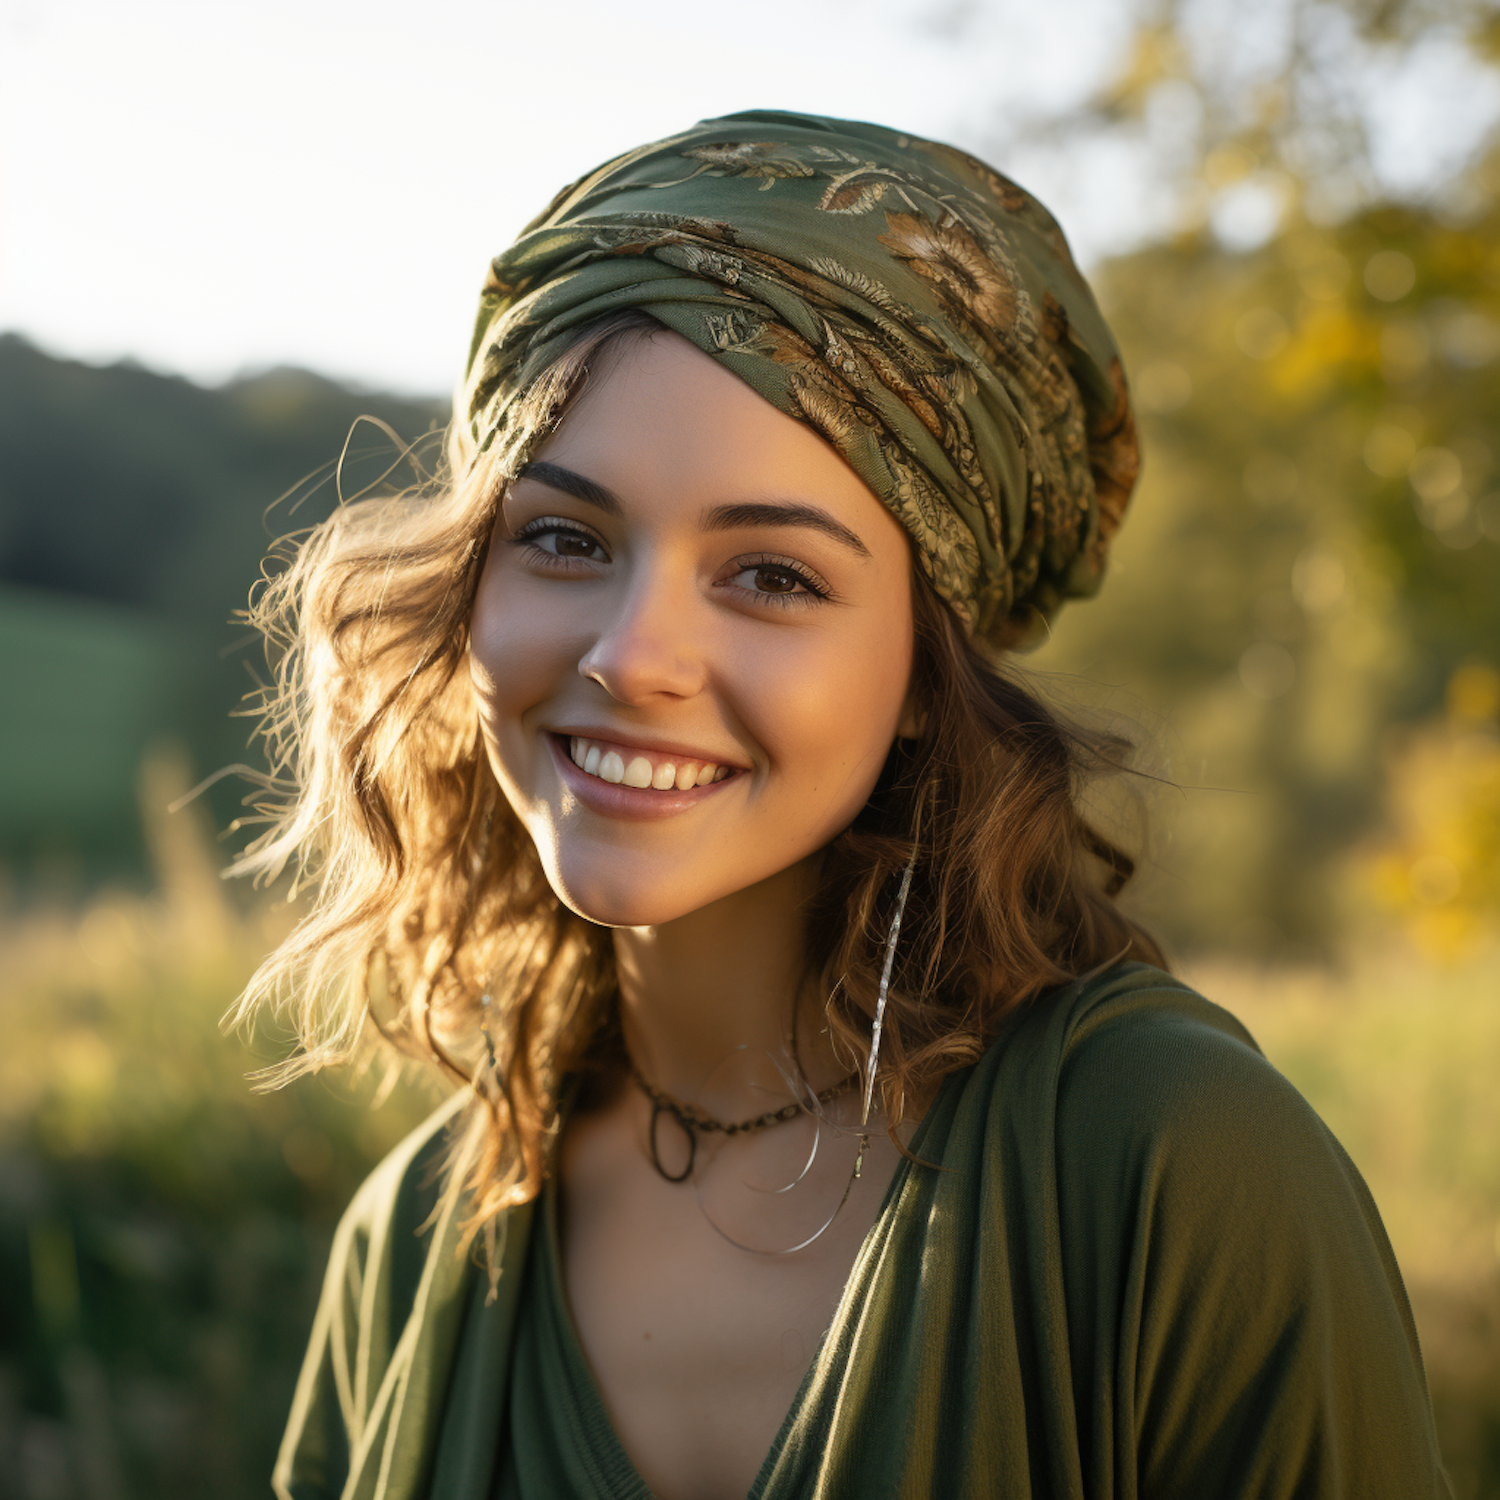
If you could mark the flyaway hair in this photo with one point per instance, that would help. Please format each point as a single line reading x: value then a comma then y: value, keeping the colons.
x: 922, y: 314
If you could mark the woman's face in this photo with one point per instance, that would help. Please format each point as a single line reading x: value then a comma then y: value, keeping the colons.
x: 692, y: 640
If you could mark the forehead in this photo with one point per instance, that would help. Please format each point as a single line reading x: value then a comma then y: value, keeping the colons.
x: 663, y: 424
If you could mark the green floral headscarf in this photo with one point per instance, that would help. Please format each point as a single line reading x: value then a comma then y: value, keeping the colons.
x: 918, y: 309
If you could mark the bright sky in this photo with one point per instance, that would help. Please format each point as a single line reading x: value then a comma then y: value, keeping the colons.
x: 210, y: 188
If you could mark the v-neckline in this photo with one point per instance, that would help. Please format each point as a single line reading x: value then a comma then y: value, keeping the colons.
x: 614, y: 1459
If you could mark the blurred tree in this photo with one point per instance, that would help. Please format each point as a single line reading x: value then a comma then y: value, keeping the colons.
x: 145, y: 490
x: 1329, y: 104
x: 135, y: 509
x: 1437, y: 864
x: 1316, y: 544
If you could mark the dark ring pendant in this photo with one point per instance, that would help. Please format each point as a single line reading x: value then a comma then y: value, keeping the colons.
x: 657, y: 1111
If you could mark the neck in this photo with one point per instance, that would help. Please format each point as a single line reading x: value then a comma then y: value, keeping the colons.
x: 705, y: 997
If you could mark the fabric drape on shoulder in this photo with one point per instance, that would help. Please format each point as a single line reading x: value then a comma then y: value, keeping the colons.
x: 392, y: 1403
x: 1143, y: 1269
x: 1147, y: 1269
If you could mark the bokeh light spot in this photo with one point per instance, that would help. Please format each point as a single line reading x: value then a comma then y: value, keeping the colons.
x: 1318, y: 580
x: 1389, y: 275
x: 1435, y: 472
x: 1267, y: 670
x: 1261, y: 333
x: 1473, y: 693
x: 1389, y: 450
x: 1163, y: 386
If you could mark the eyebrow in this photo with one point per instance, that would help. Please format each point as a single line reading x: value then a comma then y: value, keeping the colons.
x: 780, y: 513
x: 555, y: 477
x: 720, y: 518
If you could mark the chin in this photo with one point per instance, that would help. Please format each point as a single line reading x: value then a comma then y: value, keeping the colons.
x: 621, y: 897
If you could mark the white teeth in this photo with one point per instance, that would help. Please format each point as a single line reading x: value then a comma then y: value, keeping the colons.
x: 639, y: 771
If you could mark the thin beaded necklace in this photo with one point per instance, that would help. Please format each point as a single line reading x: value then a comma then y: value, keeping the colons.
x: 693, y: 1120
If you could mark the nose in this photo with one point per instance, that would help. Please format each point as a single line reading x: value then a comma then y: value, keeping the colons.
x: 648, y: 648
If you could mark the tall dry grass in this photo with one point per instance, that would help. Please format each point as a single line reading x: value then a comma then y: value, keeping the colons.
x: 163, y: 1228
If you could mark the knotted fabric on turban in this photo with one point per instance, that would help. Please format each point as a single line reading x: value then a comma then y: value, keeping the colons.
x: 919, y: 310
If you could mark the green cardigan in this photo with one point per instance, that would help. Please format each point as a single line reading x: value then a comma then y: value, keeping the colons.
x: 1144, y: 1268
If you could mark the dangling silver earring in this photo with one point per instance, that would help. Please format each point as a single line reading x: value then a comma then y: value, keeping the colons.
x: 886, y: 966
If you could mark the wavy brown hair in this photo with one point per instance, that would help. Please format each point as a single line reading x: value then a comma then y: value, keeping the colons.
x: 432, y: 925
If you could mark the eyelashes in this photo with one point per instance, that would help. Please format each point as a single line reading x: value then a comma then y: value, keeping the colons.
x: 772, y: 572
x: 765, y: 577
x: 568, y: 533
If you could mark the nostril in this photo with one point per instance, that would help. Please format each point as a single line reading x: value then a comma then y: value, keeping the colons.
x: 637, y: 662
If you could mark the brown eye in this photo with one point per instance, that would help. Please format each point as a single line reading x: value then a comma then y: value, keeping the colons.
x: 551, y: 538
x: 784, y: 581
x: 770, y: 580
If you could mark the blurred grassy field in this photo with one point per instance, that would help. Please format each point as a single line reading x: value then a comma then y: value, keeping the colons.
x: 163, y: 1228
x: 1400, y: 1055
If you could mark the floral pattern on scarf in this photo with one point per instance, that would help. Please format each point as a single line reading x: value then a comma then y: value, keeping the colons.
x: 916, y: 308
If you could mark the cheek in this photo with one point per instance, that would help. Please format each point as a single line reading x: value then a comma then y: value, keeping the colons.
x: 515, y: 659
x: 827, y: 723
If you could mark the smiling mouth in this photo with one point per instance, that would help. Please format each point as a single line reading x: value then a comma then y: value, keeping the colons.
x: 622, y: 765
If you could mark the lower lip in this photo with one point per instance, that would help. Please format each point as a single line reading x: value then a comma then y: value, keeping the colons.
x: 631, y: 804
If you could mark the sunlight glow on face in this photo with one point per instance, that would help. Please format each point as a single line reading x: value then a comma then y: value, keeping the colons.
x: 682, y: 621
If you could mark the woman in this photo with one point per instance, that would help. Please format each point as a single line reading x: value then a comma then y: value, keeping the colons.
x: 826, y: 1129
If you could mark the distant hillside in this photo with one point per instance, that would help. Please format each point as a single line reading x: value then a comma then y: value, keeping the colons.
x: 135, y: 509
x: 146, y: 490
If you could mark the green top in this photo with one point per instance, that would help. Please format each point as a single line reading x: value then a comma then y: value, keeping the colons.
x: 558, y: 1439
x: 1145, y: 1268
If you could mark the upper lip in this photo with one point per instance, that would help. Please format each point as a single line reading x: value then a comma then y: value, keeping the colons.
x: 669, y: 749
